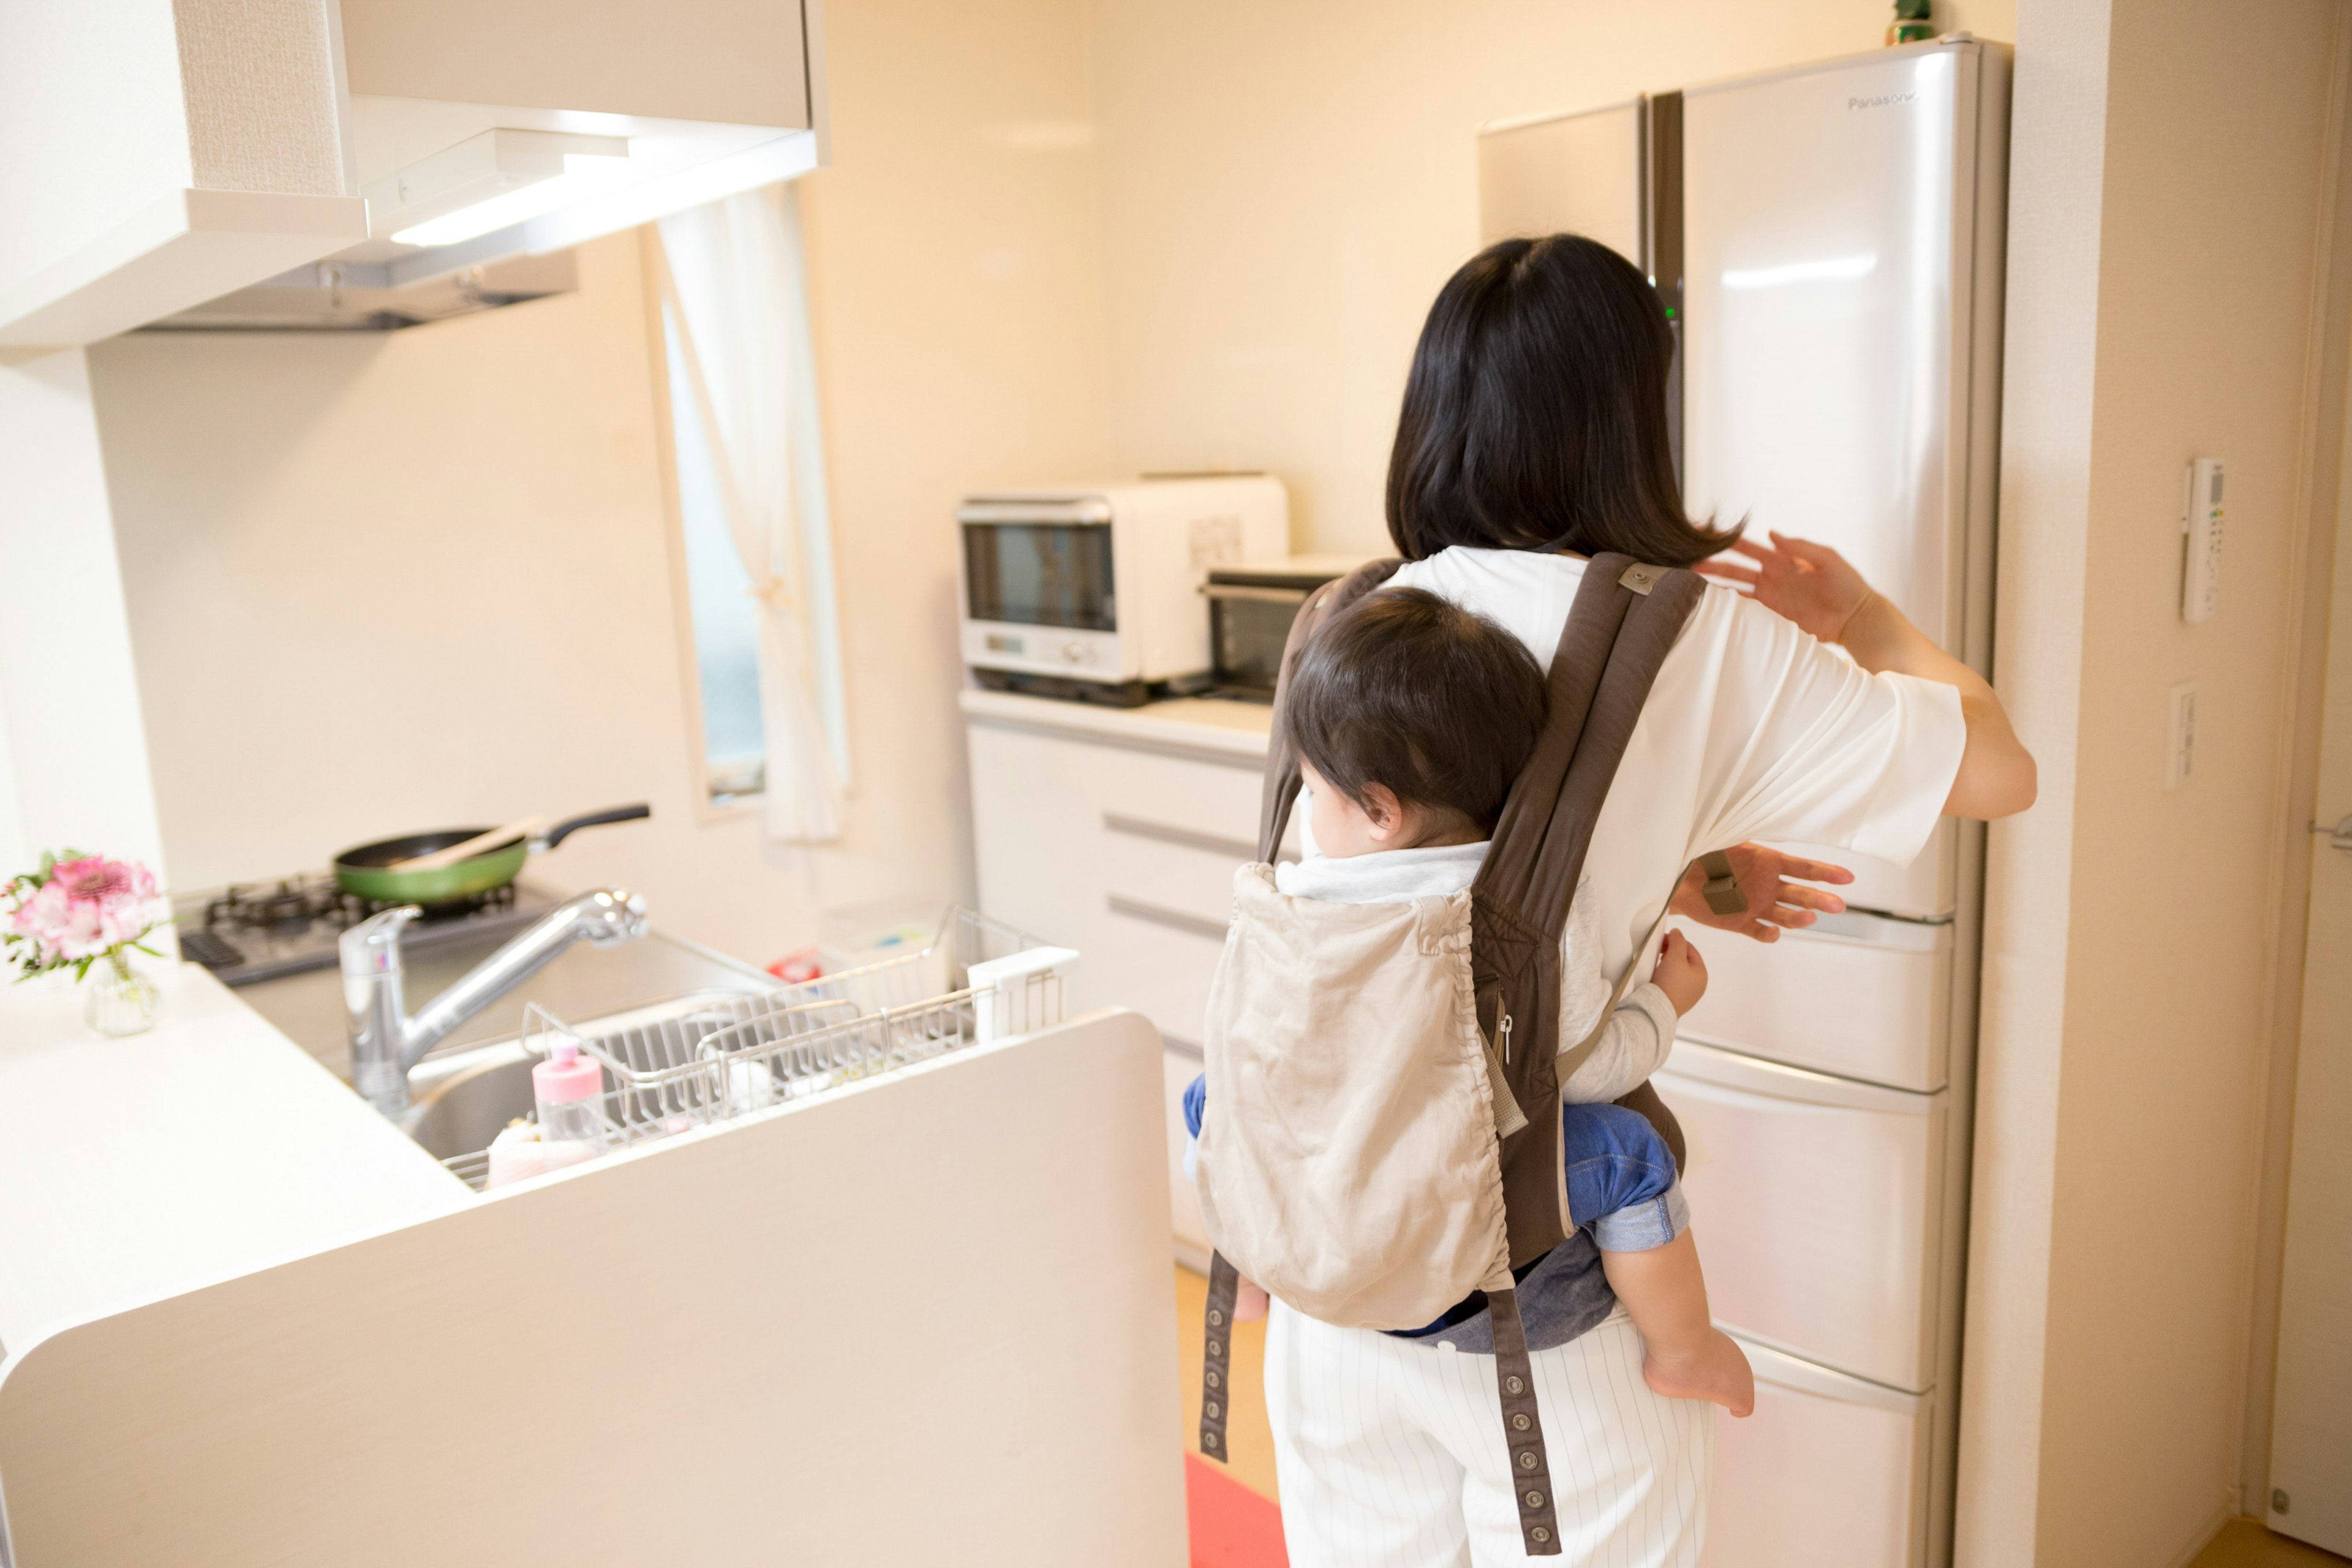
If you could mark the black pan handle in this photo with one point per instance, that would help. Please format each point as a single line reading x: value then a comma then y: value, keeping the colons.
x: 571, y: 825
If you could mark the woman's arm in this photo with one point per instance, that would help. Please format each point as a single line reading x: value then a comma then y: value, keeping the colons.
x: 1814, y: 586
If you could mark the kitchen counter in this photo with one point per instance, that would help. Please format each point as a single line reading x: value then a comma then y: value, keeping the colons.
x: 1199, y: 726
x: 207, y: 1147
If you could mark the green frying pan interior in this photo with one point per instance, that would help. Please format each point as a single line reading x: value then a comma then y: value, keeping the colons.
x: 362, y: 872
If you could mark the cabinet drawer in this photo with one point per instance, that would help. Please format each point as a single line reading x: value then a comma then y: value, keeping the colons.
x: 1830, y: 1470
x: 1149, y: 868
x: 1818, y: 1207
x: 1857, y: 997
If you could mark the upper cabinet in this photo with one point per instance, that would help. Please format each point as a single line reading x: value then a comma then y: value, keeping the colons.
x: 155, y: 154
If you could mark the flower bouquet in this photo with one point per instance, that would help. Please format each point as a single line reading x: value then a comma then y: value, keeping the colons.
x: 74, y: 911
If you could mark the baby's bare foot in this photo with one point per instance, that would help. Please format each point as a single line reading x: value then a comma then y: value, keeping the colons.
x: 1714, y: 1371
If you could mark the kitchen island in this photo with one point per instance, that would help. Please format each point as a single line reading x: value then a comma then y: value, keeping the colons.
x: 247, y: 1322
x: 208, y: 1146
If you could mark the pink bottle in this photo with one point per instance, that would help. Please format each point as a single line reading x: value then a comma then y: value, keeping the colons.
x: 570, y: 1088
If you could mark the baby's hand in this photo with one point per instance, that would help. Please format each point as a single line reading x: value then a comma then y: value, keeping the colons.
x: 1249, y: 1301
x: 1681, y: 973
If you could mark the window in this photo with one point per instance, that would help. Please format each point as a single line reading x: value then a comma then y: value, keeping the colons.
x: 722, y: 610
x: 751, y: 540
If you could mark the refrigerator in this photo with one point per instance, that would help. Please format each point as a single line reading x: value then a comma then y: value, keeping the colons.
x: 1828, y: 241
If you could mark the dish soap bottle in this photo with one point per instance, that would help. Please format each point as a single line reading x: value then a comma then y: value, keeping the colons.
x: 568, y: 1088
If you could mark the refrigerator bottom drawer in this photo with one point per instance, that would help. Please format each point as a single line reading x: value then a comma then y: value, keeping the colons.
x: 1830, y: 1470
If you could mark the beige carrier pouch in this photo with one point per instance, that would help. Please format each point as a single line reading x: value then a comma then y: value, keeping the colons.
x: 1352, y: 1168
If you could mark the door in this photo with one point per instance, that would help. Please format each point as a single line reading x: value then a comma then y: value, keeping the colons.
x: 1575, y: 173
x: 2311, y: 1424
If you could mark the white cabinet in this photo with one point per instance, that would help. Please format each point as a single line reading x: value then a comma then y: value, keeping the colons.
x: 1117, y: 833
x: 162, y: 156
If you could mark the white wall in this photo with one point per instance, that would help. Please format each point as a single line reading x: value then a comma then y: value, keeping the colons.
x: 2131, y: 934
x: 1285, y: 187
x: 73, y: 758
x: 380, y: 583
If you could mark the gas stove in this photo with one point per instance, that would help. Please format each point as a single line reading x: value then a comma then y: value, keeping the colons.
x: 251, y: 931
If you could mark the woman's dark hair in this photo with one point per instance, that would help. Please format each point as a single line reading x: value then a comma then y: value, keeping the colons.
x: 1534, y: 417
x: 1405, y: 690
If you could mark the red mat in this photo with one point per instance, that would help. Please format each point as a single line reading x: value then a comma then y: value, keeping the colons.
x: 1232, y: 1526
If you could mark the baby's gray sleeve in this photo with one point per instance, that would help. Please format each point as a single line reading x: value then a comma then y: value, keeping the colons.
x: 1637, y: 1043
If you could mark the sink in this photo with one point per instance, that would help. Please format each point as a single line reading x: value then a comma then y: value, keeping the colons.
x: 458, y: 1102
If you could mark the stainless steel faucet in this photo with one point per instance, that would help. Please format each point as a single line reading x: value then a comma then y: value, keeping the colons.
x: 386, y: 1042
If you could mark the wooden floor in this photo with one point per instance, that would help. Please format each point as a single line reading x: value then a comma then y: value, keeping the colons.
x: 1247, y: 1435
x: 2244, y: 1543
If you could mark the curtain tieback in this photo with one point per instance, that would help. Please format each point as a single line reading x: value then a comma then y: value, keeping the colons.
x: 772, y: 592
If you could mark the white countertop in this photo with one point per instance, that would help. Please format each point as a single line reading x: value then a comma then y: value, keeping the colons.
x: 1208, y: 725
x: 207, y: 1147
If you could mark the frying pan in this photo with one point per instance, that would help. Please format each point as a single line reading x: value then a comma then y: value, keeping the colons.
x: 361, y: 871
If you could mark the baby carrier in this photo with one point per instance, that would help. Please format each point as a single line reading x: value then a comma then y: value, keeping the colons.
x: 1384, y: 1136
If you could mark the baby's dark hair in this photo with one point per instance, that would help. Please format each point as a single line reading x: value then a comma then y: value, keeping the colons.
x: 1405, y: 689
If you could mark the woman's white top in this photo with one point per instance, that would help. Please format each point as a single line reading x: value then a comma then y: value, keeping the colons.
x: 1754, y: 729
x: 1641, y: 1032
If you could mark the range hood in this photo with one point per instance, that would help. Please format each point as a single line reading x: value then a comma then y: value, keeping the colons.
x: 372, y: 163
x: 365, y: 297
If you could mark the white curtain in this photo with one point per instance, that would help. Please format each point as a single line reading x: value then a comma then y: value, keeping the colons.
x: 735, y: 293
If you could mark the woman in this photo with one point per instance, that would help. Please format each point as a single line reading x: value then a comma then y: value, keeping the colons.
x: 1534, y: 435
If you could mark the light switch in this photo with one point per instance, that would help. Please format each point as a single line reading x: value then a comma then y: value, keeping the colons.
x: 2180, y: 736
x: 2200, y: 526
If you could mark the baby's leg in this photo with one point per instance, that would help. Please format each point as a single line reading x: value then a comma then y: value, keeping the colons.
x: 1620, y: 1182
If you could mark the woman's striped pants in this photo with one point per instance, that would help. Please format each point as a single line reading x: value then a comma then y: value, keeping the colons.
x: 1390, y: 1453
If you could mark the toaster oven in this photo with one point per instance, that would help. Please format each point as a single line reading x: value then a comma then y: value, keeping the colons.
x: 1094, y: 591
x: 1251, y: 606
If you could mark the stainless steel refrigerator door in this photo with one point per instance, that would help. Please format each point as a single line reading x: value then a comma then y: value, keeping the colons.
x: 1827, y: 248
x: 1819, y: 1207
x: 1579, y: 172
x: 1830, y: 1470
x: 1855, y: 996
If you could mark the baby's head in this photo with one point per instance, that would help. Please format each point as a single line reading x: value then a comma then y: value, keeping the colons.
x: 1412, y: 717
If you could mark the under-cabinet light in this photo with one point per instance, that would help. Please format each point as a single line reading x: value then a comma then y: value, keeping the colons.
x: 488, y: 182
x: 584, y: 175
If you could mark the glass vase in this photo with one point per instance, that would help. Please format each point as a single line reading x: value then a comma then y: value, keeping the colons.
x: 118, y: 1000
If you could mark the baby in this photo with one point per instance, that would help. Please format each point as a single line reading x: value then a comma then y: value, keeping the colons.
x: 1412, y: 718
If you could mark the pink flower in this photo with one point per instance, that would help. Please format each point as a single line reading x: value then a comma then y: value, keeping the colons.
x: 87, y: 908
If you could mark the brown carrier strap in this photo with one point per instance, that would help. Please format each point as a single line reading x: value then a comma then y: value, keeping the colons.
x: 1515, y: 1379
x: 1216, y: 1369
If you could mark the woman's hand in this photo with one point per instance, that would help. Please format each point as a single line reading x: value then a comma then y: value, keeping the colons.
x: 1814, y: 586
x: 1810, y: 583
x: 1774, y: 902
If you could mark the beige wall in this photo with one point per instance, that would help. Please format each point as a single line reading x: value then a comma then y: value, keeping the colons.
x: 380, y: 583
x: 1285, y: 186
x: 2132, y: 932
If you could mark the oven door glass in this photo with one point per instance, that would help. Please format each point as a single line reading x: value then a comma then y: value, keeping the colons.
x: 1041, y: 574
x: 1249, y: 627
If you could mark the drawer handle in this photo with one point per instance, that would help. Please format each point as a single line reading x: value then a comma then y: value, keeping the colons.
x: 1175, y: 920
x: 1216, y: 843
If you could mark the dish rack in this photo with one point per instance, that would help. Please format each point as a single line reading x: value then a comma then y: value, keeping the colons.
x: 711, y: 1056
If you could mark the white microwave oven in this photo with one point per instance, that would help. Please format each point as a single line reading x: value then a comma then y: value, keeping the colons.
x: 1094, y: 591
